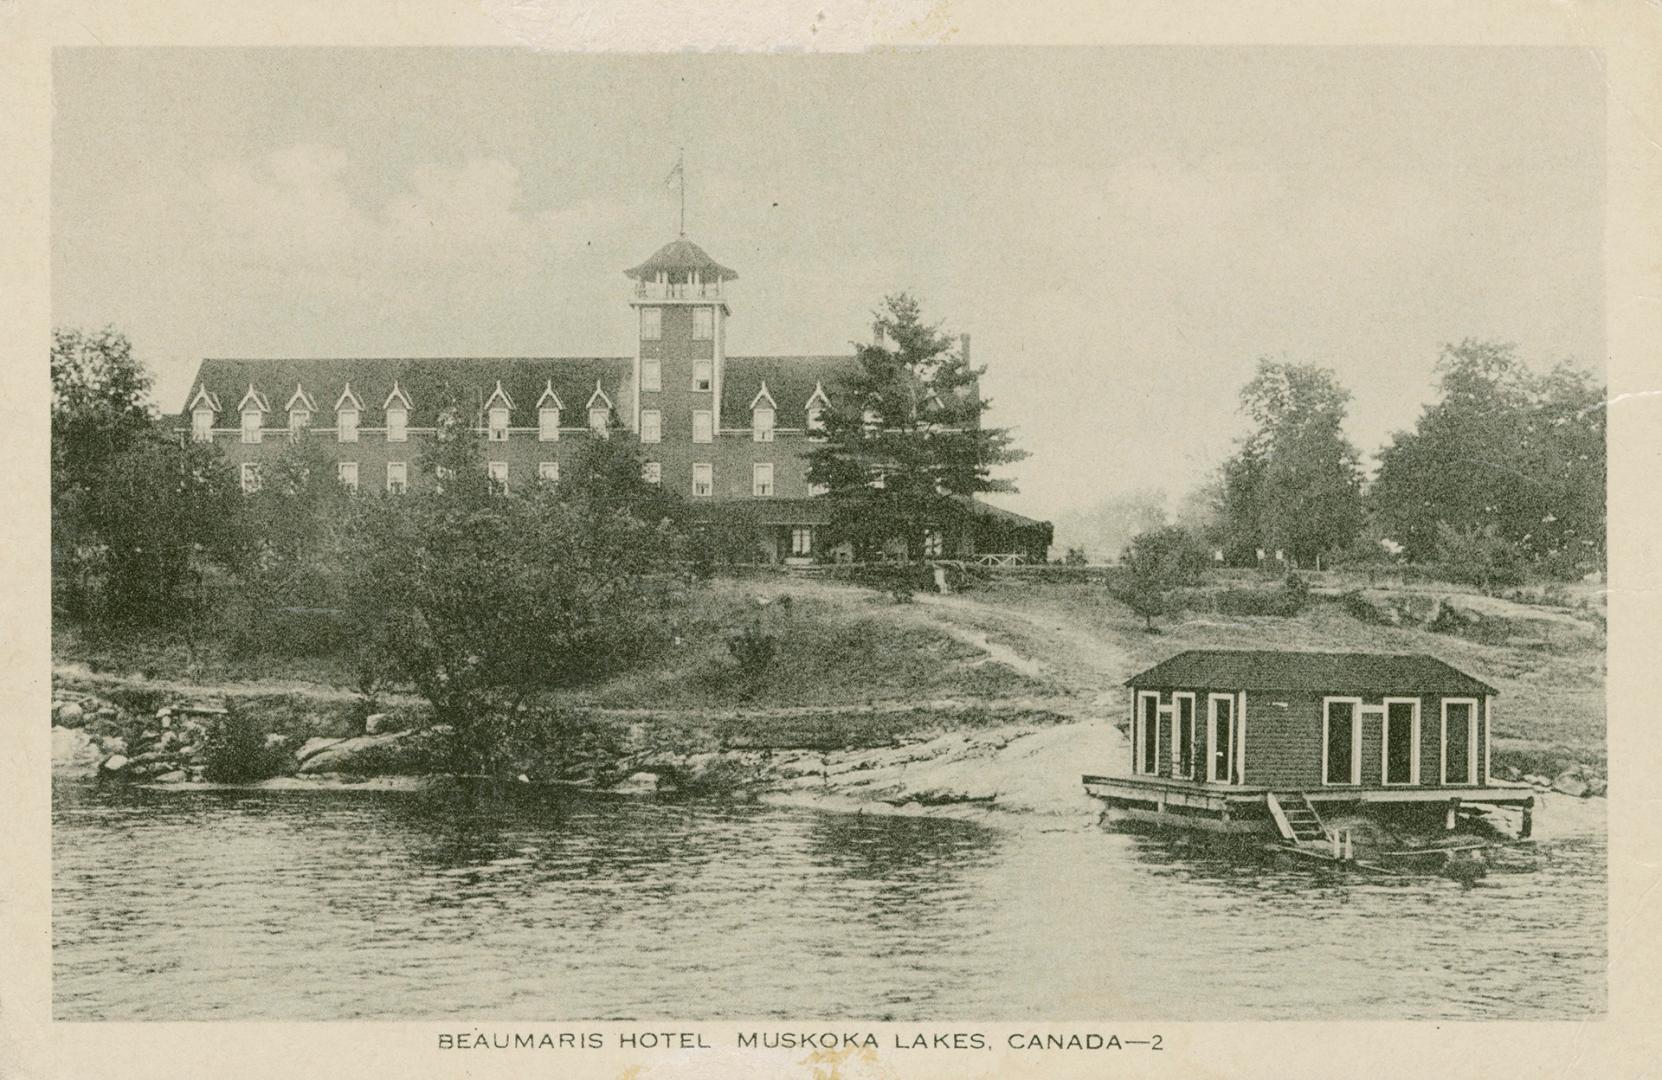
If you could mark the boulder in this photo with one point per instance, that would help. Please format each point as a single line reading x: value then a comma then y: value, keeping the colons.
x: 73, y: 751
x: 374, y: 722
x: 314, y: 745
x: 641, y: 783
x: 1597, y: 786
x: 69, y: 714
x: 1537, y: 781
x: 398, y: 752
x: 114, y: 766
x: 1570, y: 782
x: 177, y: 776
x: 275, y: 739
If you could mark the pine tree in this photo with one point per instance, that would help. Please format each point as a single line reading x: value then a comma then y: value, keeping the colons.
x: 904, y: 450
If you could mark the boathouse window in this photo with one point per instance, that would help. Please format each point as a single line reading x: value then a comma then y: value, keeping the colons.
x: 1459, y: 741
x: 1148, y: 733
x: 1220, y: 737
x: 1342, y: 741
x: 1400, y: 756
x: 1183, y: 736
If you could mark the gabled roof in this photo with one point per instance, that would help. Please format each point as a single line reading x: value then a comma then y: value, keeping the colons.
x: 680, y: 257
x: 791, y: 381
x: 817, y: 397
x: 346, y: 395
x: 761, y: 396
x: 499, y: 398
x: 1317, y: 672
x: 398, y: 395
x: 549, y: 399
x: 202, y: 397
x: 600, y: 396
x: 303, y: 398
x: 256, y: 398
x: 429, y: 384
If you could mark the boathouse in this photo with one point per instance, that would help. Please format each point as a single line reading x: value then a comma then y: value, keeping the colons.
x: 1252, y: 738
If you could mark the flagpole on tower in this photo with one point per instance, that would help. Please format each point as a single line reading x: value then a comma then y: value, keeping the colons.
x: 681, y: 171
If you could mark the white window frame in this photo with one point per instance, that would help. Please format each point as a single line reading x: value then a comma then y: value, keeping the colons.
x: 652, y: 472
x: 652, y: 426
x: 1176, y: 734
x: 1488, y: 737
x: 758, y: 471
x: 346, y: 430
x: 1212, y: 727
x: 250, y: 477
x: 398, y: 473
x: 1357, y: 719
x: 202, y: 425
x: 814, y: 422
x: 819, y: 489
x: 1472, y: 720
x: 548, y: 471
x: 1385, y: 743
x: 252, y: 433
x: 805, y: 549
x: 707, y: 367
x: 498, y: 473
x: 497, y: 421
x: 703, y: 426
x: 652, y: 324
x: 299, y: 421
x: 346, y: 474
x: 548, y: 425
x: 703, y: 323
x: 652, y: 374
x: 600, y: 421
x: 934, y: 543
x: 708, y: 471
x: 1140, y: 737
x: 398, y: 424
x: 761, y: 423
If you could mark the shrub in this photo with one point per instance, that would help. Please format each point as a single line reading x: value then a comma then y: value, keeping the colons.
x: 753, y: 650
x: 234, y: 750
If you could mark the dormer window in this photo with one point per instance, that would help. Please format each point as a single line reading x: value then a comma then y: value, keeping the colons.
x: 299, y: 421
x: 398, y: 424
x: 346, y: 424
x: 701, y: 375
x: 600, y: 418
x: 251, y: 425
x: 497, y: 410
x: 761, y: 423
x: 816, y: 422
x: 498, y: 424
x: 202, y: 425
x: 548, y: 424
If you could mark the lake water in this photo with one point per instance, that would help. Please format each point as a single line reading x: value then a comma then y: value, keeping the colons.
x: 187, y: 905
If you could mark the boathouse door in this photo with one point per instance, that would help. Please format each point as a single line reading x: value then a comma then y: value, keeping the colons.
x: 1220, y: 738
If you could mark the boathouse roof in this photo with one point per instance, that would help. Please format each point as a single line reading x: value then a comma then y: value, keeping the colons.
x: 1318, y: 672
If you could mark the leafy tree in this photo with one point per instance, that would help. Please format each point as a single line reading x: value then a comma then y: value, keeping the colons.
x: 135, y: 514
x: 482, y: 600
x: 293, y: 529
x: 1501, y: 447
x: 1480, y: 556
x: 1155, y: 563
x: 1295, y: 482
x: 904, y: 448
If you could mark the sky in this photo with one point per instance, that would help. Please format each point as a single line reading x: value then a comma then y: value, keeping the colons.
x: 1123, y: 231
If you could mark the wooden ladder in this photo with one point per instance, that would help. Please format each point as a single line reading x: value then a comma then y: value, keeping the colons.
x: 1295, y: 818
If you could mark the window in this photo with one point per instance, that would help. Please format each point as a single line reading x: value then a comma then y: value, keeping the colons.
x: 652, y: 323
x: 347, y: 473
x: 816, y: 421
x: 397, y: 477
x: 398, y: 425
x: 250, y: 477
x: 761, y: 480
x: 1342, y: 741
x: 1400, y: 756
x: 1183, y: 736
x: 652, y: 472
x: 599, y: 419
x: 652, y: 427
x: 346, y: 425
x: 548, y: 471
x: 933, y: 543
x: 299, y: 421
x: 499, y: 425
x: 1459, y: 741
x: 202, y: 425
x: 1220, y: 738
x: 704, y: 481
x: 701, y: 375
x: 498, y: 473
x: 702, y: 430
x: 652, y: 373
x: 802, y: 541
x: 251, y: 426
x: 548, y: 425
x: 819, y: 489
x: 704, y: 323
x: 761, y: 424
